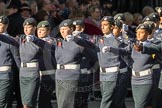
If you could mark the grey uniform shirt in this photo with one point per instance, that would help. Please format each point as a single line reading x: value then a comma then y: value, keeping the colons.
x: 158, y: 34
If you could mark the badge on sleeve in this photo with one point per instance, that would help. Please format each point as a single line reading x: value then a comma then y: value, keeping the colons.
x: 59, y: 42
x: 102, y: 41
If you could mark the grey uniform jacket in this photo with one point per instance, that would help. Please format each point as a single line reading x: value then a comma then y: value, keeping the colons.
x: 109, y: 59
x: 68, y: 52
x: 9, y: 55
x: 31, y: 52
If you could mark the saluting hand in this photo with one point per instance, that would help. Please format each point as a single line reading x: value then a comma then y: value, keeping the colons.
x: 138, y: 47
x: 69, y: 38
x: 29, y: 38
x: 76, y: 33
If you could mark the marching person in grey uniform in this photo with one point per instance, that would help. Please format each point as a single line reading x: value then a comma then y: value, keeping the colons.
x: 124, y: 75
x: 151, y: 21
x: 16, y: 87
x: 156, y: 19
x: 155, y: 49
x: 88, y: 68
x: 157, y: 99
x: 142, y: 76
x: 109, y: 62
x: 4, y: 24
x: 158, y: 32
x: 47, y: 67
x: 128, y: 38
x: 152, y: 50
x: 142, y: 69
x: 127, y: 35
x: 9, y: 60
x: 69, y: 56
x: 30, y: 53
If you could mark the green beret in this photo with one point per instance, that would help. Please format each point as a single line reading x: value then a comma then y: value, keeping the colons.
x: 143, y: 26
x: 43, y: 24
x: 78, y: 22
x: 120, y: 16
x: 108, y: 18
x: 30, y: 21
x: 4, y: 19
x: 67, y: 22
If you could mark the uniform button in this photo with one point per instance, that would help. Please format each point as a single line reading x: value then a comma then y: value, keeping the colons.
x: 62, y: 67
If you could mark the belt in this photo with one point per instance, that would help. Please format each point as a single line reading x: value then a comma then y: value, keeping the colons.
x: 109, y: 70
x: 85, y: 71
x: 47, y: 72
x: 5, y: 68
x: 123, y: 70
x: 156, y: 66
x: 142, y: 73
x: 68, y: 66
x: 32, y: 64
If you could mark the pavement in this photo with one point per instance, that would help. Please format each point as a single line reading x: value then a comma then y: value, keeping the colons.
x: 94, y: 104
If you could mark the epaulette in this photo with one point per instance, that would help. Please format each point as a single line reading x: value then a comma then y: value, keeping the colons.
x: 92, y: 38
x: 156, y: 41
x: 153, y: 56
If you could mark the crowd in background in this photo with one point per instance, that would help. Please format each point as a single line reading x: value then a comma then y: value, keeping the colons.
x: 91, y: 12
x: 57, y: 10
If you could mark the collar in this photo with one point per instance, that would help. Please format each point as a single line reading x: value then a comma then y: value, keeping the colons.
x: 147, y: 42
x: 109, y: 35
x: 47, y: 37
x: 151, y: 39
x: 5, y: 33
x: 66, y: 37
x: 31, y: 36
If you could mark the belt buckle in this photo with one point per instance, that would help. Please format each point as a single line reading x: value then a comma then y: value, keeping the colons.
x: 103, y: 70
x: 137, y: 74
x: 24, y: 64
x: 62, y: 67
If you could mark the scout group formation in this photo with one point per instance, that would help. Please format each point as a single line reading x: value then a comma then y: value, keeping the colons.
x: 39, y: 63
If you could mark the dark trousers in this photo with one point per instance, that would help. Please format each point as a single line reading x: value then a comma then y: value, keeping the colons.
x: 157, y: 99
x: 160, y: 81
x: 121, y: 89
x: 5, y: 93
x: 46, y: 93
x: 16, y: 90
x: 84, y: 89
x: 107, y: 91
x: 66, y: 92
x: 142, y: 95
